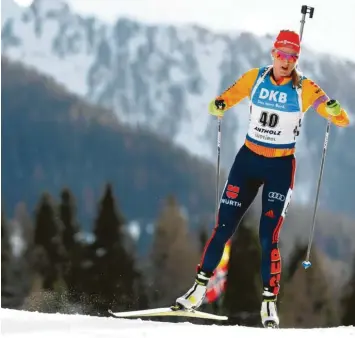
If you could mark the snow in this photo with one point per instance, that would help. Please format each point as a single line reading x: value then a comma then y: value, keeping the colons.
x: 45, y: 6
x: 192, y: 129
x: 17, y: 244
x: 37, y: 51
x: 17, y: 324
x: 9, y: 10
x: 134, y: 230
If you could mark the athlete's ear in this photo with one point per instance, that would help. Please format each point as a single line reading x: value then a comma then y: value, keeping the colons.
x: 272, y: 53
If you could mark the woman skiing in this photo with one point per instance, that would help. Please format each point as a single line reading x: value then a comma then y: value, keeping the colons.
x: 279, y: 96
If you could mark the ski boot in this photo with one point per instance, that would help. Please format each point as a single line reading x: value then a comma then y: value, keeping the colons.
x: 193, y: 298
x: 269, y: 317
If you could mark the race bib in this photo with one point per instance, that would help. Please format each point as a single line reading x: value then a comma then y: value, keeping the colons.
x: 274, y: 127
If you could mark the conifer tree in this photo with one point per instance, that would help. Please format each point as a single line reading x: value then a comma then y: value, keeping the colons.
x: 114, y: 278
x: 307, y: 300
x: 6, y: 255
x: 67, y: 213
x: 348, y: 300
x: 173, y: 256
x: 24, y: 260
x: 74, y: 273
x: 48, y: 240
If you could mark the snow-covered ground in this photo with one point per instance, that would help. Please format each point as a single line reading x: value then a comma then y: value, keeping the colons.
x: 16, y: 324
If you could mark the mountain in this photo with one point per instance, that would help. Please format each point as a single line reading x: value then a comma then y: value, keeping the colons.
x: 162, y: 77
x: 52, y: 139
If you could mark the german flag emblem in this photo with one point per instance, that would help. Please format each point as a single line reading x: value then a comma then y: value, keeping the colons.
x: 232, y: 191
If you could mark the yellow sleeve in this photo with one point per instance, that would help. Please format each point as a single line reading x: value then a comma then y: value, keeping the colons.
x: 313, y: 95
x: 240, y: 89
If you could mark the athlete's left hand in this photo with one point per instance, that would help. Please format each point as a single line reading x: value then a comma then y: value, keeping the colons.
x: 333, y: 107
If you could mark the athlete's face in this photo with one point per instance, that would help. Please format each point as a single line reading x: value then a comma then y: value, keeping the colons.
x: 285, y: 60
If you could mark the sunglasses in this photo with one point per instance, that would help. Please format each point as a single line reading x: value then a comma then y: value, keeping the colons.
x: 280, y: 55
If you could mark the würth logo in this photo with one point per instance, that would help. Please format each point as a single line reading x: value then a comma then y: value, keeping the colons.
x: 232, y: 191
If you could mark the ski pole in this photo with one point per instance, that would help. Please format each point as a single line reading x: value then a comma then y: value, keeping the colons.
x: 218, y: 166
x: 304, y: 10
x: 306, y: 263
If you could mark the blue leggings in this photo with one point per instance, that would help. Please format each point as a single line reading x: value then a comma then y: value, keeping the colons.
x: 248, y: 173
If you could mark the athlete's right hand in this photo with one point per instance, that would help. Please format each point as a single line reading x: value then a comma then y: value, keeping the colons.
x: 217, y: 108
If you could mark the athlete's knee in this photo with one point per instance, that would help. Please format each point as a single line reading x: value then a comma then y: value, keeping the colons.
x: 270, y: 227
x: 227, y: 222
x: 222, y: 233
x: 214, y: 248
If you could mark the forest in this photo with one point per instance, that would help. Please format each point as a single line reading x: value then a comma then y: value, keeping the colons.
x: 52, y: 267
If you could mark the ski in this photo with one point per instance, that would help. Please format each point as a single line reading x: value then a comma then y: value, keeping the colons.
x: 167, y: 311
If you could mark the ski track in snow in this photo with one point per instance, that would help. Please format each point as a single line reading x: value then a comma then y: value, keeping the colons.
x: 16, y: 324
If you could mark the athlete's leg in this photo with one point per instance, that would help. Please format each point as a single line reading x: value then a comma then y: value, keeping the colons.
x: 239, y: 192
x: 276, y: 197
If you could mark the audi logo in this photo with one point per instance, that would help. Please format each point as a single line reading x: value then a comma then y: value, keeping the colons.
x: 277, y: 196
